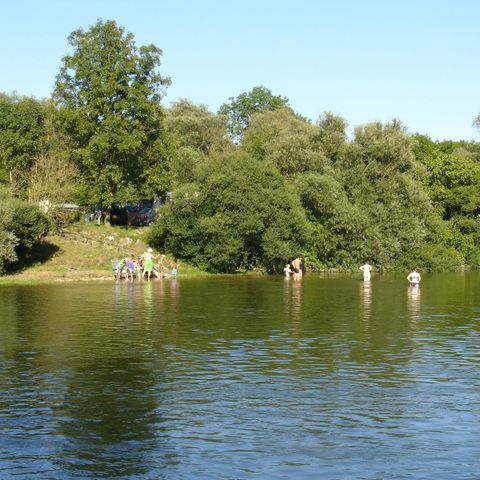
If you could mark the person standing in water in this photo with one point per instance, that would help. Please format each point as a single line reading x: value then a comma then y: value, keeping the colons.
x: 297, y: 268
x: 414, y: 278
x: 148, y: 269
x: 367, y: 271
x: 174, y: 265
x: 161, y: 266
x: 130, y: 264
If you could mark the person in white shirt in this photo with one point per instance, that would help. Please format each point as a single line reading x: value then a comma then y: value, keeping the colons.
x: 414, y: 278
x: 367, y: 271
x: 288, y: 271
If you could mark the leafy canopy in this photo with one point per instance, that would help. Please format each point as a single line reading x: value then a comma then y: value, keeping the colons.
x: 194, y: 126
x: 287, y: 141
x: 108, y: 93
x: 240, y: 110
x: 21, y: 134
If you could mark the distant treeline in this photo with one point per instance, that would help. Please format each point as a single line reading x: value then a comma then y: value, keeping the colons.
x: 253, y: 185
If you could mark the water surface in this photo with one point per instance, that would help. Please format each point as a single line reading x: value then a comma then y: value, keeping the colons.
x: 242, y: 377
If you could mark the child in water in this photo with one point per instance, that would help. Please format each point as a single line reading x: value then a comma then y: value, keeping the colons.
x: 174, y: 266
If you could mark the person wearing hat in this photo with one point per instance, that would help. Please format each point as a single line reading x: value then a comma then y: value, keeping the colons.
x: 148, y: 263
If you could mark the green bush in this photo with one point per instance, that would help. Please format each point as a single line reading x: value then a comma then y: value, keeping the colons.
x: 473, y: 258
x: 430, y: 258
x: 8, y: 242
x: 22, y: 226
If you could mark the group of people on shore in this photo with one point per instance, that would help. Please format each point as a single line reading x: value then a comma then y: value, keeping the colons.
x: 147, y: 265
x: 413, y: 277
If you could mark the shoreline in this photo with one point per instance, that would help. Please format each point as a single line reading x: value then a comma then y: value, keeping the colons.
x: 101, y: 276
x: 80, y: 253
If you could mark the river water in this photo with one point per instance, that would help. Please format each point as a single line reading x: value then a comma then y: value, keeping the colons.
x: 241, y: 378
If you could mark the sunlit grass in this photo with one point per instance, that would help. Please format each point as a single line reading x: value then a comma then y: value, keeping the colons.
x: 85, y: 252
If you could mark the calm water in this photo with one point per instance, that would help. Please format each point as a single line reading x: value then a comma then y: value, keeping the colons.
x: 240, y: 378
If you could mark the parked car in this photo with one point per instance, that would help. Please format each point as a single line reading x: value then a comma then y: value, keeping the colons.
x: 139, y: 214
x: 118, y: 215
x: 145, y: 215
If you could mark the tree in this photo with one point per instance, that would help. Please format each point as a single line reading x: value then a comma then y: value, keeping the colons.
x: 240, y: 110
x: 197, y: 133
x: 332, y: 135
x: 196, y: 127
x: 452, y: 181
x: 108, y: 93
x: 282, y: 138
x: 239, y: 214
x: 476, y: 121
x: 21, y: 136
x: 52, y: 177
x: 448, y: 178
x: 387, y: 144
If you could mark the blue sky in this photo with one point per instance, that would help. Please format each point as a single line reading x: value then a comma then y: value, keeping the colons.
x: 415, y: 60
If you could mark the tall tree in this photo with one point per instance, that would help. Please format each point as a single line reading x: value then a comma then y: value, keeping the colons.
x: 387, y: 144
x: 108, y: 93
x: 240, y: 110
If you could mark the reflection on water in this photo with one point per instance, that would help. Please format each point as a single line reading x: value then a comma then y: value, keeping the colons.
x: 292, y: 298
x: 148, y: 295
x: 248, y: 377
x: 296, y: 309
x: 366, y: 298
x: 414, y: 296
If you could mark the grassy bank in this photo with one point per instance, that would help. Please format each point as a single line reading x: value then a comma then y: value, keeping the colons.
x: 82, y: 252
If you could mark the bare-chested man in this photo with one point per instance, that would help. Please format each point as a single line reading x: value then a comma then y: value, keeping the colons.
x: 297, y: 268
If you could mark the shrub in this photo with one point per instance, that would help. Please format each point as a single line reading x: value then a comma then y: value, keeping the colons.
x: 22, y: 226
x: 8, y: 242
x: 431, y: 258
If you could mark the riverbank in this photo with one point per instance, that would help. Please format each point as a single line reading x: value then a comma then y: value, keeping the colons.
x: 84, y: 252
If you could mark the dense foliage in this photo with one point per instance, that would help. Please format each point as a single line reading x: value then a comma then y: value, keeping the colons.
x: 22, y: 227
x: 381, y: 196
x: 21, y: 135
x: 239, y: 214
x: 240, y: 110
x: 250, y: 186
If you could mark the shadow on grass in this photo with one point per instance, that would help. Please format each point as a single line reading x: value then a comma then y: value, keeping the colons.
x: 41, y: 253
